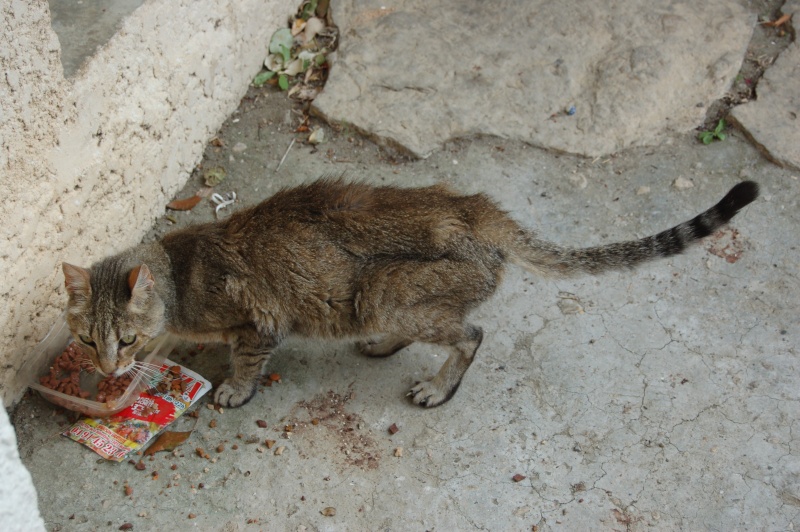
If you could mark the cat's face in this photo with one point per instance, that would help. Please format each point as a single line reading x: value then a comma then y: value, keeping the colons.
x: 112, y: 314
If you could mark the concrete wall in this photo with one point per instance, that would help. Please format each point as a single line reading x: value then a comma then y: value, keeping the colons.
x: 88, y: 163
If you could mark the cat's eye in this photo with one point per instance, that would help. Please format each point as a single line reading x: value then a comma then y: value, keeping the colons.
x: 127, y: 340
x: 86, y: 339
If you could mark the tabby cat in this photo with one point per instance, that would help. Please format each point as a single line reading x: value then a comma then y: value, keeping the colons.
x: 385, y: 266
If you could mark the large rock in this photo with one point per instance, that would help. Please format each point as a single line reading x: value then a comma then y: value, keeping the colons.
x: 418, y: 73
x: 772, y: 121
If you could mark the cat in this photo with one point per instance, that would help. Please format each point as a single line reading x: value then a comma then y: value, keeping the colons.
x: 385, y: 266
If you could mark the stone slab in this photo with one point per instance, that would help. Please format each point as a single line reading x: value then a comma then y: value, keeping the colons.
x: 772, y: 121
x: 415, y: 74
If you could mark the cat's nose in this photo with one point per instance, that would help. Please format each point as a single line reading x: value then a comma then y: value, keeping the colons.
x: 107, y: 367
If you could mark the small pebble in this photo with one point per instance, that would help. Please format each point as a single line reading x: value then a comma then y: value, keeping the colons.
x: 682, y: 183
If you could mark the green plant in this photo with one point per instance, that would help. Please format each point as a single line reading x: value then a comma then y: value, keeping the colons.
x: 308, y: 9
x: 707, y: 137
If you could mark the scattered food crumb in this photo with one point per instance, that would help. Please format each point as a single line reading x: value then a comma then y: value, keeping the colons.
x: 279, y: 450
x: 518, y: 477
x: 213, y: 423
x: 398, y: 452
x: 330, y: 511
x: 393, y: 429
x: 192, y: 516
x: 126, y: 526
x: 269, y: 443
x: 261, y: 423
x: 140, y: 465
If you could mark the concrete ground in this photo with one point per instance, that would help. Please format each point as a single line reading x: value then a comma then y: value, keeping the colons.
x: 665, y: 398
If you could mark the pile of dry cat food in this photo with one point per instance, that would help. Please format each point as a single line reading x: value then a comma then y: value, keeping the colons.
x: 171, y: 381
x: 65, y: 377
x: 112, y: 387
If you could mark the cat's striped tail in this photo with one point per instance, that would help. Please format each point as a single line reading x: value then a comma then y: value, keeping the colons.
x: 549, y: 259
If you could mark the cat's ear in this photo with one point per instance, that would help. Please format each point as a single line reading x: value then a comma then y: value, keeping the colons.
x: 77, y: 281
x: 141, y: 283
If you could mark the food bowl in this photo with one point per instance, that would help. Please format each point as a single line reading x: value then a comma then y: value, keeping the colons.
x: 56, y: 342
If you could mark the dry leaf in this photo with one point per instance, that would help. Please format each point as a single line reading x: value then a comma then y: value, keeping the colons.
x: 184, y: 204
x: 298, y: 26
x: 780, y: 21
x: 168, y: 441
x: 216, y: 175
x: 312, y: 27
x: 317, y: 136
x: 306, y: 93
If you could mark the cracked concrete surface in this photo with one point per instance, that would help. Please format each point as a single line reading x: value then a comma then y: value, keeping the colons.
x: 664, y: 398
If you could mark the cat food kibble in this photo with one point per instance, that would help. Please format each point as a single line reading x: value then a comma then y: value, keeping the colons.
x: 112, y: 387
x: 65, y: 376
x: 65, y: 373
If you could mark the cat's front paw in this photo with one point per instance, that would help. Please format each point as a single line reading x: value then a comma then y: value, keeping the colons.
x: 429, y: 394
x: 233, y: 393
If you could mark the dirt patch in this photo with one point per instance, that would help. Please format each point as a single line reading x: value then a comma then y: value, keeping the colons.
x: 727, y: 244
x: 326, y: 417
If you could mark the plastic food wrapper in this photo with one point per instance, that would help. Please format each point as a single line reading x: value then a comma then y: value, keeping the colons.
x: 130, y: 429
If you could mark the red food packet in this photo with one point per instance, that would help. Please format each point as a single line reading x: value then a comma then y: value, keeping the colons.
x: 130, y: 429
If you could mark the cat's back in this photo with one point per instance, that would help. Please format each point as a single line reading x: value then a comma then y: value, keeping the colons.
x: 365, y: 219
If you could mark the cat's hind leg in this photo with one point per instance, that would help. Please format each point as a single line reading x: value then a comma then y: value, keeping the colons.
x: 443, y: 386
x: 248, y: 360
x: 382, y: 346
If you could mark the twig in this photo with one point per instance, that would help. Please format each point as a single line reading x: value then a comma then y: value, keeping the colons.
x: 284, y: 155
